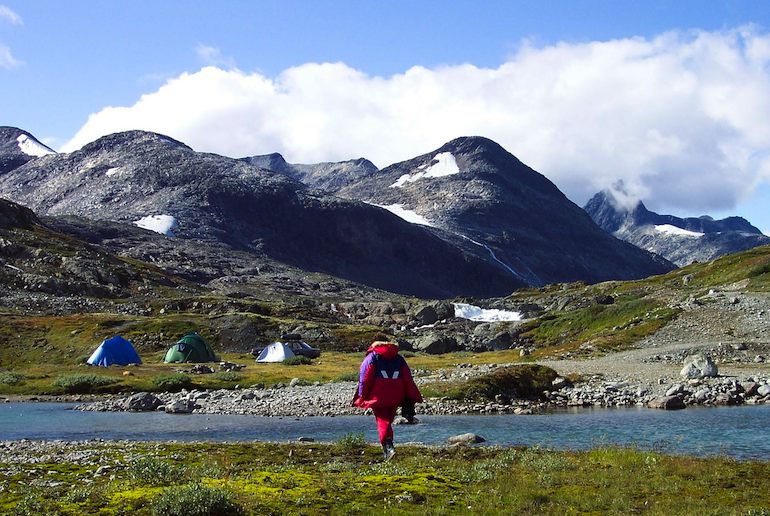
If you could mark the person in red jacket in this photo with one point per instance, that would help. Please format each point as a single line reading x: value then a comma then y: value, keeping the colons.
x: 385, y: 382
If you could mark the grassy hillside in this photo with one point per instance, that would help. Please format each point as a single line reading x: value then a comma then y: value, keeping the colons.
x: 638, y: 308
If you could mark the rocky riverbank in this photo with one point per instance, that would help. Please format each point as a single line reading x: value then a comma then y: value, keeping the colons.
x: 333, y: 399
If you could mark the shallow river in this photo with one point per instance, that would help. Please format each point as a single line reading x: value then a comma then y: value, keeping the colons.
x: 740, y: 432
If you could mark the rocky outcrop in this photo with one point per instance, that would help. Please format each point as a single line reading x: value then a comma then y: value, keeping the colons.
x: 13, y: 215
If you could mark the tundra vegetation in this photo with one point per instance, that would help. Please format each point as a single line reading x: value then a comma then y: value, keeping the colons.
x: 348, y: 477
x: 44, y: 354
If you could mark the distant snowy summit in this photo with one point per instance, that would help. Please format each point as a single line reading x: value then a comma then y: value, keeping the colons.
x: 680, y: 240
x: 18, y: 147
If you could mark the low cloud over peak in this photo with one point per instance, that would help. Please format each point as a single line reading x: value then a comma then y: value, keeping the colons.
x: 682, y: 119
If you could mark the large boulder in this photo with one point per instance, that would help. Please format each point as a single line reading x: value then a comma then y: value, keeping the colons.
x: 468, y: 438
x: 180, y: 406
x: 667, y: 403
x: 699, y: 366
x: 426, y: 315
x: 142, y: 402
x: 435, y: 344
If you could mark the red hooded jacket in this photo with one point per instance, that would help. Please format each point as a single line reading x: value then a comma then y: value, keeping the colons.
x: 385, y: 379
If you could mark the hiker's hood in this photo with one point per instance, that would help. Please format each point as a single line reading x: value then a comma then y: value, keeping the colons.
x: 384, y: 349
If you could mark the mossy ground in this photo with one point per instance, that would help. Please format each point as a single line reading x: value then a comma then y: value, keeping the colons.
x: 264, y: 478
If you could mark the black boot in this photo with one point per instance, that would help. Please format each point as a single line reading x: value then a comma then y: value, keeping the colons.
x: 388, y: 450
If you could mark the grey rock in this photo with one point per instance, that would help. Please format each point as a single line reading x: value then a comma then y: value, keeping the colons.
x: 702, y: 395
x: 469, y: 438
x: 699, y: 366
x: 142, y: 401
x: 560, y: 383
x: 435, y: 344
x: 763, y: 390
x: 667, y: 403
x: 180, y: 406
x: 675, y: 389
x: 426, y: 315
x: 751, y: 388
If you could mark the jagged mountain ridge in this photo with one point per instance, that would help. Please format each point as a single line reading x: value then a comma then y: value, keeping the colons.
x: 680, y: 240
x: 326, y: 176
x: 132, y: 175
x: 479, y: 196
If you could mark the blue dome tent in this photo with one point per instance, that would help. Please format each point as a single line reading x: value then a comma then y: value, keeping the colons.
x: 115, y: 350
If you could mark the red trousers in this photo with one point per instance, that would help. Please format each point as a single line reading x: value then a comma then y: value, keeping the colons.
x: 384, y: 417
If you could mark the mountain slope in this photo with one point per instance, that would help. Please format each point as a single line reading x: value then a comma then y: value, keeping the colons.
x: 476, y: 194
x: 680, y: 240
x: 157, y: 182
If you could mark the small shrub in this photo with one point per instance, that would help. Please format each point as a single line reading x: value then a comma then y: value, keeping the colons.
x: 228, y: 376
x: 195, y: 500
x: 298, y: 360
x: 152, y: 471
x: 172, y: 382
x: 11, y: 378
x: 33, y: 505
x: 83, y: 383
x: 352, y: 441
x: 82, y: 359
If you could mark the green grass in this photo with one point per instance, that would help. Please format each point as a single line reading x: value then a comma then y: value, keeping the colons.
x: 297, y: 360
x: 83, y: 383
x: 270, y: 478
x: 172, y: 382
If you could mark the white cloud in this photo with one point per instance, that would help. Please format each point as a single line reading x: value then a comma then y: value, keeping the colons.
x: 682, y: 119
x: 8, y: 15
x: 7, y: 60
x: 212, y: 56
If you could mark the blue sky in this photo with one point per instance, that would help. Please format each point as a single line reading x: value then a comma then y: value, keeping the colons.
x: 668, y: 97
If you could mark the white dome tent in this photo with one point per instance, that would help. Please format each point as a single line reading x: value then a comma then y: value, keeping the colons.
x: 275, y: 352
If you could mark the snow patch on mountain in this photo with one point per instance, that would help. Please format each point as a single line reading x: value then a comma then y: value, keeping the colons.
x: 446, y: 165
x: 163, y: 224
x: 31, y: 147
x: 407, y: 215
x: 475, y: 313
x: 677, y: 231
x: 112, y: 171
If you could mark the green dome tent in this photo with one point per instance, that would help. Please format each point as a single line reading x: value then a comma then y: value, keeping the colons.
x: 190, y: 348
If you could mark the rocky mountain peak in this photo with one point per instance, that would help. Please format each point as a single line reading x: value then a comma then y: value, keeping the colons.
x: 128, y: 139
x: 17, y: 147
